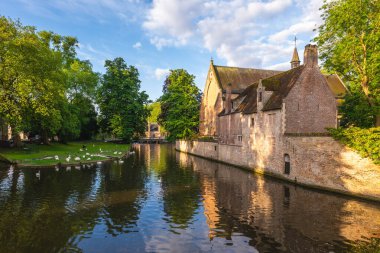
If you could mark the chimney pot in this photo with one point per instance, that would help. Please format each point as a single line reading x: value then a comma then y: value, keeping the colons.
x: 310, y: 56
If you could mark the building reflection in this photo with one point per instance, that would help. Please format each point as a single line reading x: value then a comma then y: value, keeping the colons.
x: 280, y: 217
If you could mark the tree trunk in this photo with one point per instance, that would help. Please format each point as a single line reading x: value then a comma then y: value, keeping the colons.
x: 45, y: 138
x: 17, y: 140
x: 377, y: 124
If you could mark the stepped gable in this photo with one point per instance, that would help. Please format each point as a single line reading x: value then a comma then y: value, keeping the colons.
x: 280, y: 84
x: 240, y: 78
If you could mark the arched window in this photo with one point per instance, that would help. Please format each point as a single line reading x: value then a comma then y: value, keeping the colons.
x: 287, y: 164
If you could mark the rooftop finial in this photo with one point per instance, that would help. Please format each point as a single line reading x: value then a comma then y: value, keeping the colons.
x: 295, y: 62
x: 212, y: 60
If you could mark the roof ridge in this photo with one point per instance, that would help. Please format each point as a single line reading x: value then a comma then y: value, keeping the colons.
x: 284, y: 72
x: 248, y: 68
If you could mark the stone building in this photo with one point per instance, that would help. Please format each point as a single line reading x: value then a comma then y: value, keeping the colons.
x: 227, y: 87
x: 154, y: 131
x: 275, y: 123
x: 6, y: 134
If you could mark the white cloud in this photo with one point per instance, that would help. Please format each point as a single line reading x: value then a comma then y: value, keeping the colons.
x: 299, y: 28
x: 173, y: 20
x: 137, y: 45
x: 161, y: 73
x: 242, y: 32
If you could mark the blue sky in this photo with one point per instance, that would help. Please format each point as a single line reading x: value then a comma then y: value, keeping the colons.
x: 159, y: 35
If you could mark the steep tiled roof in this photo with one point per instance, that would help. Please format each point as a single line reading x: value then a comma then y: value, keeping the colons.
x: 240, y: 78
x: 248, y: 104
x: 336, y: 85
x: 280, y: 84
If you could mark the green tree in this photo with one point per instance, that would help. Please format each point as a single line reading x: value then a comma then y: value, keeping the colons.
x: 44, y: 88
x: 155, y: 111
x: 82, y: 83
x: 87, y: 117
x: 31, y: 79
x: 349, y: 44
x: 70, y: 124
x: 355, y: 110
x: 180, y: 105
x: 122, y: 105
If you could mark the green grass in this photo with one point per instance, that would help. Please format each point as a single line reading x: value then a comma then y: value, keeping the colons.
x: 33, y: 154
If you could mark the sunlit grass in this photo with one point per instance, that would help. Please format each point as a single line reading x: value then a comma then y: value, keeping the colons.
x: 33, y: 154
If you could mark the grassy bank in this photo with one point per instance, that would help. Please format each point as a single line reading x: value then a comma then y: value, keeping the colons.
x: 71, y: 153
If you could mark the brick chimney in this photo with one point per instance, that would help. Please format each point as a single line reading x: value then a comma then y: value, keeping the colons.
x: 310, y: 56
x: 228, y: 104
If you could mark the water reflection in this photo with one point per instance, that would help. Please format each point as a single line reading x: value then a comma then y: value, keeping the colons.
x: 283, y: 218
x: 159, y: 200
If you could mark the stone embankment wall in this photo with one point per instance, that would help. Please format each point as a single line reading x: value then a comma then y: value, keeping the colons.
x: 319, y: 162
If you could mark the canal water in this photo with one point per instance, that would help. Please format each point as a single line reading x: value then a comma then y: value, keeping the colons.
x: 160, y: 200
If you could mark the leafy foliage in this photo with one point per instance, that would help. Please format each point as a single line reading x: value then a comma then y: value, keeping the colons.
x: 180, y: 105
x: 356, y: 111
x: 41, y: 81
x: 31, y: 78
x: 122, y: 105
x: 365, y: 141
x: 349, y: 44
x: 155, y: 111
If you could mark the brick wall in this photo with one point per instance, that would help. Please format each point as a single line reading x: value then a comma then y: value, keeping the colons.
x: 212, y: 104
x: 314, y: 161
x: 310, y: 105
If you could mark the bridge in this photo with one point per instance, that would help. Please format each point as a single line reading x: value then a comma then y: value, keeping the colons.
x: 153, y: 140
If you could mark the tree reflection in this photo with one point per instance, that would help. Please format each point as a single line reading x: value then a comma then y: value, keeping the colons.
x: 47, y: 210
x: 180, y: 185
x: 124, y: 188
x: 28, y: 214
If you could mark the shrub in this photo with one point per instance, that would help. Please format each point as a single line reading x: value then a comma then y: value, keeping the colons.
x: 364, y: 140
